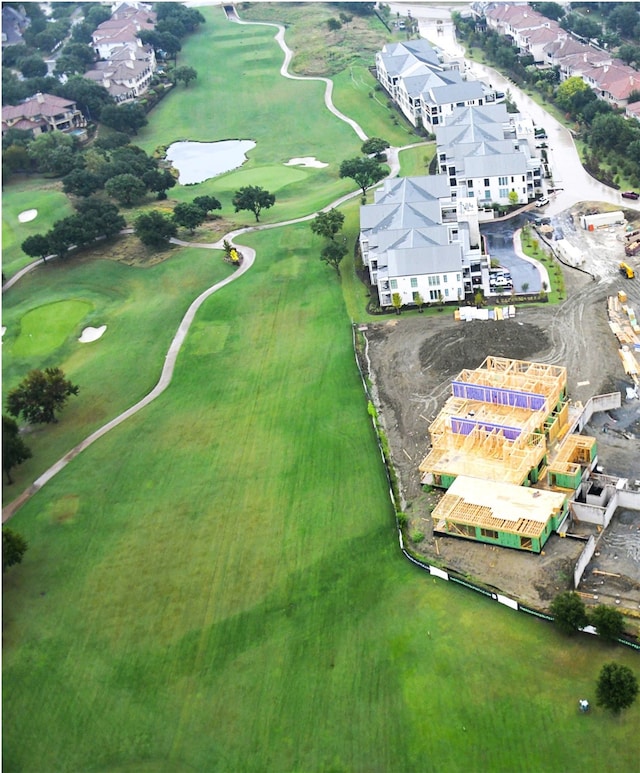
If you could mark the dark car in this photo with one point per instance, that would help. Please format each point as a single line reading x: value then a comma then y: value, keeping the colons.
x: 630, y: 195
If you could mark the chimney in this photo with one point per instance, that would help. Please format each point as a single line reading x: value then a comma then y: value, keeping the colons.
x: 40, y: 97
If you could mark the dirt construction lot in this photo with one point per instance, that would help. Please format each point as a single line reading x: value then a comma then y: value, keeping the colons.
x: 413, y: 359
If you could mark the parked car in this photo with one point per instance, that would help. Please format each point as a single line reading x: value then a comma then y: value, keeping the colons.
x: 630, y: 195
x: 542, y: 202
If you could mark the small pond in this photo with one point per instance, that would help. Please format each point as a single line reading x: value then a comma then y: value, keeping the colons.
x: 199, y: 161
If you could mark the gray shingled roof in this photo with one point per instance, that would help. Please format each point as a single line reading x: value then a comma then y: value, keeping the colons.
x: 424, y: 260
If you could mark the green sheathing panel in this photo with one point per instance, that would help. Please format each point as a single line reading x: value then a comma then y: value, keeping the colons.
x: 447, y: 480
x: 566, y: 480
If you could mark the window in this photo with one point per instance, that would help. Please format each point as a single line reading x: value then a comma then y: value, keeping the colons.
x: 446, y: 292
x: 504, y: 193
x: 414, y: 281
x: 487, y: 195
x: 433, y: 295
x: 491, y: 533
x: 469, y: 183
x: 457, y: 277
x: 434, y: 281
x: 415, y: 295
x: 469, y: 194
x: 394, y: 284
x: 463, y: 528
x: 486, y: 182
x: 502, y: 181
x: 445, y: 278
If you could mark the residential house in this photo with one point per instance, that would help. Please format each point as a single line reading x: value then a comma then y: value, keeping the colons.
x: 416, y: 240
x: 426, y: 89
x: 43, y: 113
x: 633, y: 111
x: 551, y: 46
x: 127, y: 73
x: 121, y: 30
x: 486, y: 154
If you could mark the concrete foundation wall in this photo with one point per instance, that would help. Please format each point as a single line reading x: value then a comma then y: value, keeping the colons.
x: 629, y: 499
x: 583, y: 560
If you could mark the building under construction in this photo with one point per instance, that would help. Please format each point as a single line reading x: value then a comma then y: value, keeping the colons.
x: 503, y: 438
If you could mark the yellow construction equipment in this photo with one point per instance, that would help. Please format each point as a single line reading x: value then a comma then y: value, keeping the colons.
x: 627, y: 270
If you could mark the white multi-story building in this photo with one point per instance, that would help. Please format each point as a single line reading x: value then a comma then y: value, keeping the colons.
x: 486, y: 154
x: 418, y: 242
x: 426, y: 89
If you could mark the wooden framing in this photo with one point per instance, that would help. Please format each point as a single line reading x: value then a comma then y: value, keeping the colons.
x: 494, y: 425
x: 496, y: 507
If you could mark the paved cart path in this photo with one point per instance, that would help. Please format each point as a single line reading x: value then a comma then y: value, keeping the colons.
x: 249, y: 256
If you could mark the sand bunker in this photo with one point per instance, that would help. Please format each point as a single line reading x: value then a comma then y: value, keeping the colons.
x: 28, y: 214
x: 306, y: 161
x: 90, y: 334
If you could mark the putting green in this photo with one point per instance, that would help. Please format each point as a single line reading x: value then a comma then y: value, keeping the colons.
x: 272, y: 178
x: 44, y: 329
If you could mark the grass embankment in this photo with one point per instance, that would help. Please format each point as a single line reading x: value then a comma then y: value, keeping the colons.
x: 233, y: 597
x: 532, y: 247
x: 216, y: 584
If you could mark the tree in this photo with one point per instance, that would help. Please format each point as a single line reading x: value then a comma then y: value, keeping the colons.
x: 396, y: 302
x: 40, y: 395
x: 159, y: 181
x: 375, y: 145
x: 550, y: 10
x: 513, y: 198
x: 569, y: 612
x: 184, y: 74
x: 99, y: 218
x: 36, y: 246
x: 128, y: 118
x: 54, y: 153
x: 333, y: 252
x: 188, y: 215
x: 419, y: 301
x: 570, y: 92
x: 207, y: 203
x: 364, y: 171
x: 80, y: 182
x: 327, y: 224
x: 91, y: 97
x: 254, y: 199
x: 14, y: 449
x: 617, y: 687
x: 64, y: 234
x: 126, y: 188
x: 155, y: 229
x: 14, y: 546
x: 32, y: 67
x: 608, y: 621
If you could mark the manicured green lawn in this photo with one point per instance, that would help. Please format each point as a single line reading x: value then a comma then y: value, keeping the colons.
x: 45, y: 313
x: 284, y: 117
x: 216, y: 585
x: 20, y: 196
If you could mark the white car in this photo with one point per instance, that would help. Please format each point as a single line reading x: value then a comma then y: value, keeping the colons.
x: 542, y: 202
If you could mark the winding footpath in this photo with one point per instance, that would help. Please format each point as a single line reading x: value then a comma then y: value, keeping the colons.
x: 249, y: 256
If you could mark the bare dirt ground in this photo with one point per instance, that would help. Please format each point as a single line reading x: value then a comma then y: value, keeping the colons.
x: 413, y: 359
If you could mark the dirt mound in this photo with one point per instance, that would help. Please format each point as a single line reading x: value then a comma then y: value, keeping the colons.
x: 467, y: 345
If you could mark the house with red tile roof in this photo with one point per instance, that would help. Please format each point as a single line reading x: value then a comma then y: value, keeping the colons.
x: 633, y: 111
x: 43, y: 113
